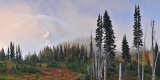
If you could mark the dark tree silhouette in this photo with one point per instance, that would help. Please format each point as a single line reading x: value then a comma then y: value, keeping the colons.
x: 109, y: 43
x: 8, y: 54
x: 156, y: 50
x: 12, y: 51
x: 137, y: 33
x: 19, y: 53
x: 91, y: 48
x: 2, y: 54
x: 125, y: 52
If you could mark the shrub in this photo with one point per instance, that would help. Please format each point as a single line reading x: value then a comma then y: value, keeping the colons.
x: 28, y: 69
x: 36, y: 76
x: 3, y: 67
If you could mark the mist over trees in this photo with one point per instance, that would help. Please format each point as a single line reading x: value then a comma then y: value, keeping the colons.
x: 92, y: 63
x: 66, y: 53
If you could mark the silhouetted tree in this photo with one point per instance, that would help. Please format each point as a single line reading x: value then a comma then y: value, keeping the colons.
x: 19, y: 53
x: 125, y: 52
x: 2, y: 54
x: 137, y: 33
x: 16, y: 53
x: 8, y: 53
x: 156, y: 50
x: 91, y: 48
x: 12, y: 51
x: 158, y: 67
x: 109, y: 43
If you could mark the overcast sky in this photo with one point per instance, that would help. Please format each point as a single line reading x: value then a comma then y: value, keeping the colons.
x: 36, y: 23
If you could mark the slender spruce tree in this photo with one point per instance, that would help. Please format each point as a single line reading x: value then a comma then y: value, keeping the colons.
x: 156, y: 50
x: 158, y: 67
x: 19, y: 53
x: 91, y: 48
x: 109, y: 44
x: 16, y: 53
x: 2, y: 53
x: 125, y: 52
x: 92, y: 55
x: 137, y: 33
x: 8, y: 53
x: 12, y: 52
x: 98, y: 39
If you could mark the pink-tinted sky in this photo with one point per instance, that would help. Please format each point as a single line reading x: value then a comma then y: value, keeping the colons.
x: 36, y: 23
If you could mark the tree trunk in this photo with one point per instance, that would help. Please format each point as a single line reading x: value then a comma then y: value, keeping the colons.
x: 152, y: 26
x: 105, y: 71
x: 125, y: 68
x: 138, y: 65
x: 143, y: 65
x: 93, y: 68
x: 120, y: 74
x: 99, y: 65
x: 96, y: 71
x: 153, y: 76
x: 143, y: 54
x: 155, y: 66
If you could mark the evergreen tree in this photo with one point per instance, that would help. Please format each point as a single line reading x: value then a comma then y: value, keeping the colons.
x: 16, y: 53
x: 8, y: 52
x: 109, y: 43
x: 91, y: 48
x: 137, y: 33
x: 19, y: 53
x: 156, y: 50
x: 61, y: 53
x: 2, y: 54
x: 158, y: 67
x: 92, y: 55
x: 98, y: 39
x: 12, y: 52
x: 125, y: 52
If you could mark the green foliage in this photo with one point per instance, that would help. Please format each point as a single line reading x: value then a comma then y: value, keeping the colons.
x: 125, y: 50
x: 3, y: 67
x: 81, y: 68
x: 53, y: 64
x: 158, y: 67
x: 62, y: 74
x: 133, y: 68
x: 86, y: 77
x: 61, y: 53
x: 17, y: 67
x: 28, y: 69
x: 12, y: 51
x: 36, y: 76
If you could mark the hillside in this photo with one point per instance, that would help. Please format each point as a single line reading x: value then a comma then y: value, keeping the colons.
x: 13, y: 71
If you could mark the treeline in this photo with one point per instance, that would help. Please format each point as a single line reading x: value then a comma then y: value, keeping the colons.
x: 13, y: 53
x: 61, y: 53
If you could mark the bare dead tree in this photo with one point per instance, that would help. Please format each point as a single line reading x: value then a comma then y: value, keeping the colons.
x: 143, y: 54
x: 152, y: 38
